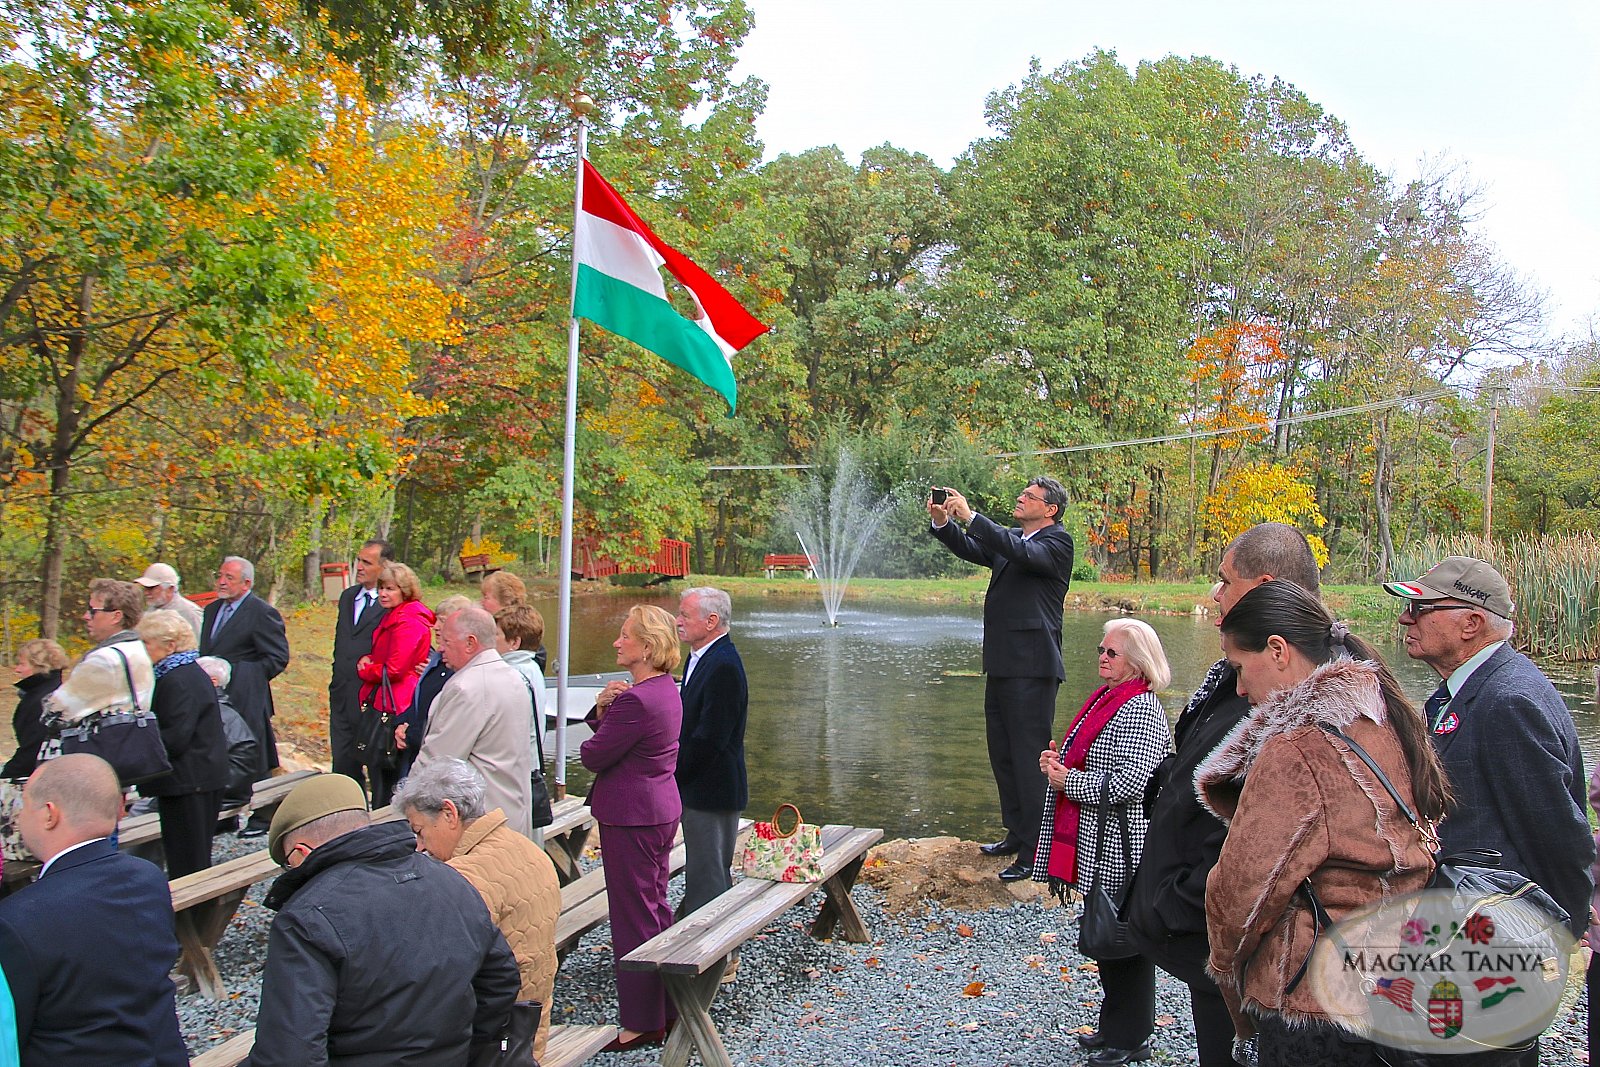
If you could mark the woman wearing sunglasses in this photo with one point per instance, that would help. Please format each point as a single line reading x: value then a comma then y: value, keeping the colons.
x: 1097, y: 776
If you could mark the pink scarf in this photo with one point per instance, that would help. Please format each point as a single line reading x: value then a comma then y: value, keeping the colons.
x: 1093, y: 717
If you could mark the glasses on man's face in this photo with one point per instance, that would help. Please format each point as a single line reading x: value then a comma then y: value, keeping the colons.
x: 92, y: 611
x: 1108, y: 653
x: 1036, y: 497
x: 1418, y: 608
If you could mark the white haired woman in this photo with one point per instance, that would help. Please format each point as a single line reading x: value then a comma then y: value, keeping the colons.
x: 444, y: 803
x: 1109, y: 752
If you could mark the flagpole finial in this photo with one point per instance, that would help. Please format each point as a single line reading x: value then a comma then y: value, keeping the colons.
x: 582, y: 104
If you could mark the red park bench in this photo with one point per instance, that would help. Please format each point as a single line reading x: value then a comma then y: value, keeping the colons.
x: 773, y: 562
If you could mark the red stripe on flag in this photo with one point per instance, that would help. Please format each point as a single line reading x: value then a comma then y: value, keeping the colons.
x: 732, y: 322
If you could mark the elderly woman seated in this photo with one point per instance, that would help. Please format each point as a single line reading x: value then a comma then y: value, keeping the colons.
x: 443, y: 802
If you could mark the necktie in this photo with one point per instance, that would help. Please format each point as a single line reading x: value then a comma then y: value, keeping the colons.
x: 362, y: 601
x: 224, y: 613
x: 1433, y: 710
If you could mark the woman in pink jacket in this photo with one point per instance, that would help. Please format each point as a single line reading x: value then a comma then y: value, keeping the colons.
x: 399, y: 645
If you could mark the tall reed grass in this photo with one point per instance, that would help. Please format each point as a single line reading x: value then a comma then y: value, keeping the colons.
x: 1555, y: 584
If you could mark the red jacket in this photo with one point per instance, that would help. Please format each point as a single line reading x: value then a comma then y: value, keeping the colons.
x: 401, y: 641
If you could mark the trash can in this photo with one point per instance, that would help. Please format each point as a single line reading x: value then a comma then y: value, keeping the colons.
x: 335, y: 580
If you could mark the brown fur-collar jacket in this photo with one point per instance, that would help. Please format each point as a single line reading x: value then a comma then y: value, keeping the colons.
x: 1300, y: 804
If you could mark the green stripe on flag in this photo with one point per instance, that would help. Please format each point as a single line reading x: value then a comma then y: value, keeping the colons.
x: 654, y: 325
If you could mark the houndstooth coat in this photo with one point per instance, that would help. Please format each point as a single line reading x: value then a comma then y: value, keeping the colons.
x: 1136, y: 739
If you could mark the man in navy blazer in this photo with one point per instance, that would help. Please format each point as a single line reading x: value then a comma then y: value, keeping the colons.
x: 711, y: 772
x: 87, y: 948
x: 1031, y: 567
x: 359, y: 615
x: 1503, y: 733
x: 248, y: 632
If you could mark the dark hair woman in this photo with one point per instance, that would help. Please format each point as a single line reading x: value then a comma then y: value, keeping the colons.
x: 400, y: 645
x: 1301, y: 806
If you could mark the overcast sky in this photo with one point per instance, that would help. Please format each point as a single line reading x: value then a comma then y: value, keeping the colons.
x: 1511, y: 90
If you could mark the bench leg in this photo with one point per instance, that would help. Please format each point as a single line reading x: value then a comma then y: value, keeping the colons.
x: 565, y: 851
x: 199, y: 929
x: 839, y: 909
x: 694, y: 1031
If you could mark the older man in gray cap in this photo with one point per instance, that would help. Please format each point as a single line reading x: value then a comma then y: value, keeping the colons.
x: 161, y: 594
x: 1504, y: 734
x: 343, y: 983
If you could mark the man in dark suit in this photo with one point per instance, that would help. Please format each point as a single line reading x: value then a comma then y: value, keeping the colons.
x: 359, y: 615
x: 1166, y: 903
x: 711, y: 772
x: 248, y: 632
x: 1032, y: 566
x: 1503, y: 733
x: 87, y: 948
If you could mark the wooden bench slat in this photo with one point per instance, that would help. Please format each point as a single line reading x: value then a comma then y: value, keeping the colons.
x: 568, y: 1046
x: 229, y: 1053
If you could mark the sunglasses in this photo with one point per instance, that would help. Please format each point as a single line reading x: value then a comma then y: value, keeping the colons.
x: 1418, y: 608
x: 1108, y: 653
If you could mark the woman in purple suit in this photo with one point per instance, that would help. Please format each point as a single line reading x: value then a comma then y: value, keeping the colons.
x: 634, y: 755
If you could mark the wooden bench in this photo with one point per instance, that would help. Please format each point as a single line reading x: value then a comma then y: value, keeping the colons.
x: 773, y: 562
x: 136, y: 831
x: 692, y: 955
x: 566, y: 836
x: 567, y: 1047
x: 477, y: 565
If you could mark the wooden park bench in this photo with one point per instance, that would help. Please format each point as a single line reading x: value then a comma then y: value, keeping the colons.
x: 774, y: 562
x: 477, y: 565
x: 137, y: 831
x: 567, y: 1047
x: 692, y: 955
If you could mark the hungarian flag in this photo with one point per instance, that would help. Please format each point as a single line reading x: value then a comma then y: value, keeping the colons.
x: 619, y: 261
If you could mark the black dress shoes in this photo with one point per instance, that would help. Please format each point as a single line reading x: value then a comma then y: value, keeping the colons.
x: 1017, y: 872
x: 1007, y: 847
x: 1116, y: 1057
x: 1091, y: 1041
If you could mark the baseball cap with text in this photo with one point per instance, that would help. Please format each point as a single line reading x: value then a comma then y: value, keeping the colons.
x: 1459, y: 578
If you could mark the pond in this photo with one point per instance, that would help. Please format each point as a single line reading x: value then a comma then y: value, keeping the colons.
x: 879, y: 721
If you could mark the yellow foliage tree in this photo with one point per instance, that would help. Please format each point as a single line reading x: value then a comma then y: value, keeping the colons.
x: 1263, y: 492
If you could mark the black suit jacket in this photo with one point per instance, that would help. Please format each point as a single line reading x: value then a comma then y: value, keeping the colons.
x: 1022, y: 610
x: 191, y: 730
x: 255, y: 643
x: 1518, y: 776
x: 716, y: 704
x: 87, y: 950
x: 352, y: 639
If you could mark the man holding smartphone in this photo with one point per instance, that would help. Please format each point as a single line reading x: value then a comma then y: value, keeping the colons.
x: 1031, y: 567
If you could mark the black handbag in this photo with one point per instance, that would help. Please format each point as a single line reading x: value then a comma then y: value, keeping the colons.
x: 1102, y: 935
x: 375, y: 743
x: 514, y: 1046
x: 540, y: 808
x: 128, y: 740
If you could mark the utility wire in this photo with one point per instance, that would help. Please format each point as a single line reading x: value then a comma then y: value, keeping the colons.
x: 1191, y: 435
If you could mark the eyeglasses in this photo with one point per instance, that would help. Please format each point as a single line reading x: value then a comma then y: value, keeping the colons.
x: 1108, y: 653
x: 1418, y: 608
x: 1030, y: 496
x: 92, y: 610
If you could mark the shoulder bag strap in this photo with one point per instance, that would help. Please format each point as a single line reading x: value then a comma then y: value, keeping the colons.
x: 1405, y: 809
x: 538, y: 720
x: 127, y: 672
x: 1102, y: 817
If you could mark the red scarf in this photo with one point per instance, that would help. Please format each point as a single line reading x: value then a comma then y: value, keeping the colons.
x: 1093, y: 717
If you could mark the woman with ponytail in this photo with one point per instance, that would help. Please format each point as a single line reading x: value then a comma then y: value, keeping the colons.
x: 1301, y: 806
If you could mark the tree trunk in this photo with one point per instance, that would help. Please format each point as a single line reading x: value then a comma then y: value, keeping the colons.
x: 1381, y: 497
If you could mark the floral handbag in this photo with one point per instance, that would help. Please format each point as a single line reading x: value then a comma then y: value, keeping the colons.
x: 793, y: 855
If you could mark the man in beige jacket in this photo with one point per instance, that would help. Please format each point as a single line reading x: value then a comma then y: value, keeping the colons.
x: 482, y: 716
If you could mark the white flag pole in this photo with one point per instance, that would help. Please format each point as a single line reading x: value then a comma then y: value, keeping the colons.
x: 581, y: 105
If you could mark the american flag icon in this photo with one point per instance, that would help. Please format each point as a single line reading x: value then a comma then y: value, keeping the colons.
x: 1397, y: 990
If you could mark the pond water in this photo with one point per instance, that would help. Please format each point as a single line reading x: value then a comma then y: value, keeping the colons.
x: 879, y: 721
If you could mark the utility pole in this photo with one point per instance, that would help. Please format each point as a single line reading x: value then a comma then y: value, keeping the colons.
x: 1488, y: 466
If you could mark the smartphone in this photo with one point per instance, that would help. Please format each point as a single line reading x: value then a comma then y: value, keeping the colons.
x: 939, y: 495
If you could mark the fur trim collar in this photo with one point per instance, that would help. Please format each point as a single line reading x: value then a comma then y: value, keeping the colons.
x: 1335, y: 694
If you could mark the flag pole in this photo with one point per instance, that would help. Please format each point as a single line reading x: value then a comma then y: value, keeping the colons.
x: 581, y: 106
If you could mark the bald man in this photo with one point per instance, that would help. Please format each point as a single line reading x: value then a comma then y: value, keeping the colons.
x: 88, y: 947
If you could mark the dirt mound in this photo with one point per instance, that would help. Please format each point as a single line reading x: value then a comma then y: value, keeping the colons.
x: 946, y: 870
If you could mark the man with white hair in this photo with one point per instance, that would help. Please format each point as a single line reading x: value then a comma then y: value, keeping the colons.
x: 483, y: 716
x: 711, y: 772
x: 160, y: 584
x: 248, y: 632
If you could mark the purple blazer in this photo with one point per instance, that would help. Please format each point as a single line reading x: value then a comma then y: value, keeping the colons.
x: 634, y: 756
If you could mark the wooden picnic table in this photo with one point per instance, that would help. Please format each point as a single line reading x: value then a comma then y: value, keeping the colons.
x: 692, y: 954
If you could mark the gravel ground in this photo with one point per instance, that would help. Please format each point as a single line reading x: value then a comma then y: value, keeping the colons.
x: 944, y: 987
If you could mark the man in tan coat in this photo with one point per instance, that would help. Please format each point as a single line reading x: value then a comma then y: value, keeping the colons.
x: 444, y: 803
x: 483, y: 715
